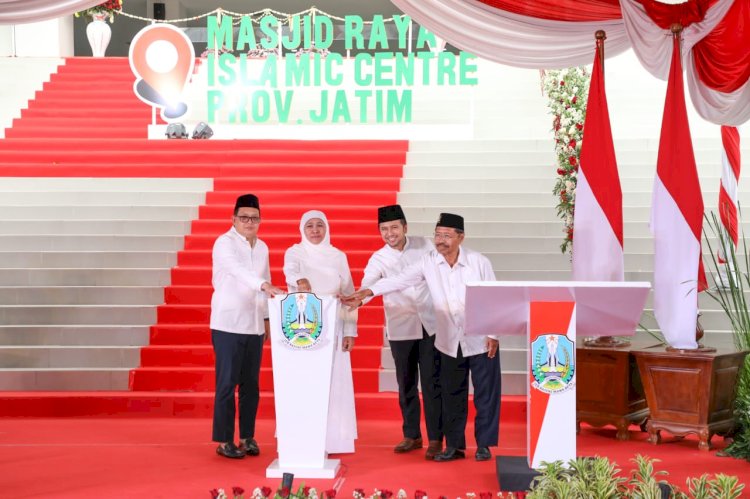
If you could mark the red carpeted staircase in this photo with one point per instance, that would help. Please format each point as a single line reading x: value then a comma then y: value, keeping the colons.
x: 92, y: 125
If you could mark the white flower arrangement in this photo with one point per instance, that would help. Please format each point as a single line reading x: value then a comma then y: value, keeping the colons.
x: 567, y: 91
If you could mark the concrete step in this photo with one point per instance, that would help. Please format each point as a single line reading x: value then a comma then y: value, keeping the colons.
x: 526, y: 228
x: 91, y: 227
x: 87, y: 259
x: 521, y: 182
x: 74, y: 335
x: 56, y: 379
x: 57, y: 357
x: 708, y: 159
x: 509, y: 198
x: 81, y: 295
x: 84, y: 242
x: 98, y: 198
x: 622, y: 145
x: 103, y: 212
x: 85, y: 277
x: 102, y: 315
x: 120, y: 185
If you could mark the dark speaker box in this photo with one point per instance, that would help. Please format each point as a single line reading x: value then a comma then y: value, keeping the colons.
x: 160, y: 11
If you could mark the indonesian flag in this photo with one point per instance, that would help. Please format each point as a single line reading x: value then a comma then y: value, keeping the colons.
x: 730, y: 177
x: 676, y: 220
x: 597, y: 245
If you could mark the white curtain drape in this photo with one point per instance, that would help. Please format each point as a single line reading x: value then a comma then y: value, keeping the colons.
x: 513, y: 39
x: 29, y: 11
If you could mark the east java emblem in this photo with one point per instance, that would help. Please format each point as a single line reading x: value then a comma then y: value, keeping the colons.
x: 553, y: 363
x: 301, y: 319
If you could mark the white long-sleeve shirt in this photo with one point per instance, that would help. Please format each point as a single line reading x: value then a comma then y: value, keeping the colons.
x: 447, y: 287
x: 406, y: 311
x: 329, y: 276
x: 239, y: 270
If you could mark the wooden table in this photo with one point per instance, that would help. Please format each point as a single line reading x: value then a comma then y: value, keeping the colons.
x: 609, y: 389
x: 690, y: 392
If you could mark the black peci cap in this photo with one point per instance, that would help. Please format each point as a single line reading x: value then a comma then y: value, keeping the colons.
x: 390, y: 213
x: 451, y: 221
x: 247, y: 201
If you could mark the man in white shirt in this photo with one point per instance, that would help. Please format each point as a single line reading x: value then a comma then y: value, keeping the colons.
x: 239, y: 325
x: 410, y: 328
x: 446, y: 270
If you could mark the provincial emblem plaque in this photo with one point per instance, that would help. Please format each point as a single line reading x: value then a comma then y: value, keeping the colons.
x: 301, y: 319
x: 553, y: 363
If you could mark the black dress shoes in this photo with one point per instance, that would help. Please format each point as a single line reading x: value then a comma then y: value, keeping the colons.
x: 250, y: 447
x: 483, y: 454
x: 450, y: 454
x: 230, y: 450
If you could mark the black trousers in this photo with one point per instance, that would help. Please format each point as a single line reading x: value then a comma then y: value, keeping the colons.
x: 237, y: 363
x: 418, y: 360
x: 454, y: 377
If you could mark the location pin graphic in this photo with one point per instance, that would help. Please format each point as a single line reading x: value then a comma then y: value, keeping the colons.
x: 162, y: 59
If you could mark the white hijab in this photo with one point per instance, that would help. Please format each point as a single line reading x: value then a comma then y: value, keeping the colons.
x: 322, y: 249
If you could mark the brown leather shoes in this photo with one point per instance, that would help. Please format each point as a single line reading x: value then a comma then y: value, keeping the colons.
x: 408, y: 444
x: 433, y: 449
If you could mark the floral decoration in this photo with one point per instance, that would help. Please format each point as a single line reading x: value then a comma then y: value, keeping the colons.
x: 304, y: 492
x: 567, y: 91
x: 107, y: 9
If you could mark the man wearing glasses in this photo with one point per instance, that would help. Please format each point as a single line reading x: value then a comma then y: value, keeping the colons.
x: 239, y: 325
x: 446, y: 270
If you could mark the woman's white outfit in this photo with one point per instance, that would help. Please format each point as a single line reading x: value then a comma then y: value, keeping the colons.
x: 327, y: 270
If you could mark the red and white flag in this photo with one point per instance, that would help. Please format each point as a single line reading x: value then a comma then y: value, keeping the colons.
x: 677, y: 220
x: 597, y: 245
x: 730, y: 178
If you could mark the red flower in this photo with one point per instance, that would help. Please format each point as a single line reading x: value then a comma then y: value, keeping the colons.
x: 575, y: 99
x: 562, y: 83
x: 560, y: 171
x: 579, y: 126
x: 572, y: 143
x: 330, y: 493
x: 385, y: 494
x: 419, y: 494
x: 238, y: 491
x: 266, y: 491
x: 284, y: 492
x: 485, y: 495
x: 306, y: 491
x: 360, y: 491
x: 214, y: 493
x: 572, y: 160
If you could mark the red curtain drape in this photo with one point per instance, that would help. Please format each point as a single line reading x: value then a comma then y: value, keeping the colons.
x: 722, y: 58
x: 664, y: 14
x: 561, y: 10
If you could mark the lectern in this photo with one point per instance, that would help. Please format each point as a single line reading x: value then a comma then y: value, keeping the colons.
x: 302, y: 349
x: 551, y: 314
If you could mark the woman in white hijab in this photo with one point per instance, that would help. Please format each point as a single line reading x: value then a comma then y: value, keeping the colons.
x: 313, y: 265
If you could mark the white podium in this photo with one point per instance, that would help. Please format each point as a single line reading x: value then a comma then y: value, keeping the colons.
x: 302, y: 348
x: 551, y: 314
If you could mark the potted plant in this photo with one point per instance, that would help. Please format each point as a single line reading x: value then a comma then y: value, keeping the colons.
x: 730, y: 294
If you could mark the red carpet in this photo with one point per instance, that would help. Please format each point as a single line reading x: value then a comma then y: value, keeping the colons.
x: 73, y: 458
x: 92, y: 125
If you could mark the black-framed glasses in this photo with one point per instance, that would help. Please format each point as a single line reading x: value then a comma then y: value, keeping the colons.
x: 245, y: 219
